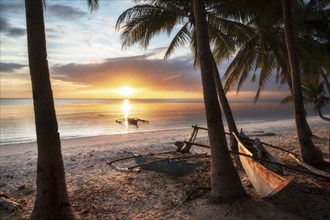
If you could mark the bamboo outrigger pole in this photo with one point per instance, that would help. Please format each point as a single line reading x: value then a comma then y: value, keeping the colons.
x: 310, y: 172
x: 279, y: 148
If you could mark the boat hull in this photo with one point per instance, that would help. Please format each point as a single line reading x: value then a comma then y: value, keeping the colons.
x: 171, y: 167
x: 265, y: 181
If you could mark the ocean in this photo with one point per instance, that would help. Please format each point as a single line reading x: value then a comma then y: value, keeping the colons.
x: 93, y: 117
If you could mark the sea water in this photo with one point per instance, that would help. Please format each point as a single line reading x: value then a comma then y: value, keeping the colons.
x: 93, y: 117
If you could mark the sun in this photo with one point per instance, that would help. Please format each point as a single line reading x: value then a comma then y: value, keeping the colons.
x: 126, y: 91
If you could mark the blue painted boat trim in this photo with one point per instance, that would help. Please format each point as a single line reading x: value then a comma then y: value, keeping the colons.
x: 171, y: 167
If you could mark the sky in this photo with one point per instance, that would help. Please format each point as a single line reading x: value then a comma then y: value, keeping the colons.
x: 86, y: 58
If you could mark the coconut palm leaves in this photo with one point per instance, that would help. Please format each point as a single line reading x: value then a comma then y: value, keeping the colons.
x: 142, y: 22
x: 255, y: 55
x: 145, y: 22
x: 314, y: 94
x: 264, y: 50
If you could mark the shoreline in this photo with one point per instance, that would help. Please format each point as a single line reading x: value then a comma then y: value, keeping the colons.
x: 289, y: 123
x: 98, y: 192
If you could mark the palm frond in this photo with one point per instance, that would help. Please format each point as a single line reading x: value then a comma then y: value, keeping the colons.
x: 193, y: 47
x: 181, y: 38
x: 93, y: 5
x: 265, y: 73
x: 286, y: 100
x: 142, y: 22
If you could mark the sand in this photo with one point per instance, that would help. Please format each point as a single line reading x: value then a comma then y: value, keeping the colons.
x: 99, y: 192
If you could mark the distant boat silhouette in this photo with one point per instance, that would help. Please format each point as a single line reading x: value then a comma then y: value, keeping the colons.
x: 131, y: 121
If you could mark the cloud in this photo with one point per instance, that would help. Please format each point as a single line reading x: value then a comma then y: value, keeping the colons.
x: 16, y: 32
x: 10, y: 7
x: 10, y: 31
x: 10, y: 67
x: 4, y: 25
x: 137, y: 71
x: 65, y: 12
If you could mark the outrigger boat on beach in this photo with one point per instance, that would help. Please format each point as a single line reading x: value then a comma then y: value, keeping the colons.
x: 264, y: 180
x: 174, y: 163
x: 264, y: 172
x: 264, y: 176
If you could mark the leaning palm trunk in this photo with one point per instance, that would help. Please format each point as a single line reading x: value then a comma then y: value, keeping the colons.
x: 228, y: 113
x: 225, y: 181
x: 52, y: 200
x: 289, y: 81
x: 310, y: 154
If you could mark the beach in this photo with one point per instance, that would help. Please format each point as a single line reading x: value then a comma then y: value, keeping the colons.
x: 97, y: 191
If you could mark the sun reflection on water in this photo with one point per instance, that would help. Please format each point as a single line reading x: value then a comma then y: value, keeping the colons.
x: 126, y: 109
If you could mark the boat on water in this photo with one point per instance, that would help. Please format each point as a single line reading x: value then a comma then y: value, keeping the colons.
x: 265, y: 181
x: 131, y: 121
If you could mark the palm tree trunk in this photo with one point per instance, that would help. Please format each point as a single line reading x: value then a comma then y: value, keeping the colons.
x: 228, y: 113
x: 310, y: 154
x: 289, y: 81
x: 225, y: 181
x: 52, y: 200
x: 326, y: 81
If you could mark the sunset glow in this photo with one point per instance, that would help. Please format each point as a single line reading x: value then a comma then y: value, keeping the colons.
x: 90, y: 63
x: 126, y: 91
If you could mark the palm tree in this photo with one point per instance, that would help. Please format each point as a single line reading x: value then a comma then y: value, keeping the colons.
x: 144, y: 21
x: 309, y: 152
x: 313, y: 93
x: 225, y: 181
x: 52, y: 200
x: 147, y: 20
x: 265, y: 48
